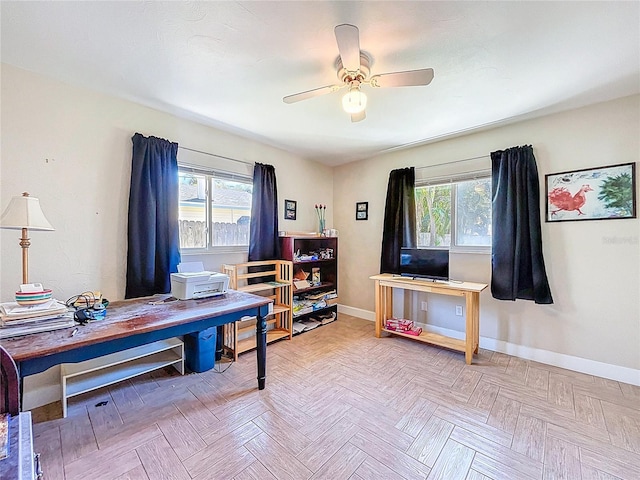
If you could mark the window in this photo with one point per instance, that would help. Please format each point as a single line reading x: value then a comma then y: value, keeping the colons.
x: 455, y: 214
x: 215, y: 209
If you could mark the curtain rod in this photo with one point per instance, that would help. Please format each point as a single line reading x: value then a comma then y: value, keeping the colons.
x: 455, y: 161
x: 217, y: 156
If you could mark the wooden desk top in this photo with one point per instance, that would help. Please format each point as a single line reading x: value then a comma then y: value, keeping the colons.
x: 130, y: 317
x: 409, y: 282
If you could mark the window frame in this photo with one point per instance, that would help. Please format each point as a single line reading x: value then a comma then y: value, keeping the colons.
x: 210, y: 175
x: 454, y: 180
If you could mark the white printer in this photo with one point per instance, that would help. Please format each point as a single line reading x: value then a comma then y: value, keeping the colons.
x: 192, y: 281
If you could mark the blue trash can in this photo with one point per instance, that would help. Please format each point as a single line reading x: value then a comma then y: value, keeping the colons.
x: 200, y: 350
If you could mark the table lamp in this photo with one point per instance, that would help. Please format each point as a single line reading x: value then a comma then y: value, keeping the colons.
x: 24, y: 213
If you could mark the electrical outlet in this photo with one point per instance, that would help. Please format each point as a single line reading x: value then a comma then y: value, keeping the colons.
x: 423, y: 306
x: 459, y: 310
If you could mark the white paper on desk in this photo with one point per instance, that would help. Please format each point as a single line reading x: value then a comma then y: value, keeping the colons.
x: 12, y: 308
x: 190, y: 267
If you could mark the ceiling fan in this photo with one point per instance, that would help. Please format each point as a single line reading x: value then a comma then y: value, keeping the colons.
x: 353, y: 71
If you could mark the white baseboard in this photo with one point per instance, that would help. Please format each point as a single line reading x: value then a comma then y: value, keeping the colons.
x: 577, y: 364
x: 357, y: 312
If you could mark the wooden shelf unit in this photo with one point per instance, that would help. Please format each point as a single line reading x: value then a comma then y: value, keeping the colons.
x: 293, y: 248
x: 82, y: 377
x: 384, y: 285
x: 276, y: 284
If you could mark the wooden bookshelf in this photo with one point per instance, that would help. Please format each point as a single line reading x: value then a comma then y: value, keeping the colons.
x: 276, y: 284
x: 310, y: 254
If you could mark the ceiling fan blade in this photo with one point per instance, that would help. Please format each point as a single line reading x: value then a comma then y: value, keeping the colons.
x: 403, y: 79
x: 348, y: 38
x: 296, y: 97
x: 358, y: 117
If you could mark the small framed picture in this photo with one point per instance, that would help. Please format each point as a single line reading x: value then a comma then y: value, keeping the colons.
x: 290, y: 209
x: 362, y: 210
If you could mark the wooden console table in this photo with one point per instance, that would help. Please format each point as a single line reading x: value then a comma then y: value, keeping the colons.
x: 386, y: 282
x: 130, y: 323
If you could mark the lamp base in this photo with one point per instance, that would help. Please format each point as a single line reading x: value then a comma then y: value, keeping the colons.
x: 25, y: 244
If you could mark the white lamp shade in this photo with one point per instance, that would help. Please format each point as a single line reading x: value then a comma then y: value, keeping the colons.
x: 24, y: 212
x: 354, y: 101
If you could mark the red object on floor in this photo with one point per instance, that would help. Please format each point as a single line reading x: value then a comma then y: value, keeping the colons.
x: 398, y: 324
x: 414, y: 331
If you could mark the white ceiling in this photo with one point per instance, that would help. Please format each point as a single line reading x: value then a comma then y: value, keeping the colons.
x: 228, y: 64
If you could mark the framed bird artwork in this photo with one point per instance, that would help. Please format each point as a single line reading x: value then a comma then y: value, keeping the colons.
x: 601, y: 193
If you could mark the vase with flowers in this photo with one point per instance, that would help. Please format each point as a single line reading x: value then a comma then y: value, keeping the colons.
x: 320, y: 211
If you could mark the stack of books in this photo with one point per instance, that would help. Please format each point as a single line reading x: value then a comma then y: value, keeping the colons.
x: 16, y: 319
x: 402, y: 325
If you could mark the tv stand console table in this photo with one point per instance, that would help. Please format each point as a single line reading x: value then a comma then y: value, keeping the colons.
x: 386, y: 282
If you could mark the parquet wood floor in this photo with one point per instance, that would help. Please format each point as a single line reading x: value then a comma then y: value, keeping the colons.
x: 342, y: 404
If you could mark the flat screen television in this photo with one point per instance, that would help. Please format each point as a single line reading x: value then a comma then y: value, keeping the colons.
x: 429, y: 263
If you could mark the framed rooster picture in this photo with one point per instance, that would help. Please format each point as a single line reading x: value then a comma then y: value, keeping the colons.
x: 592, y: 194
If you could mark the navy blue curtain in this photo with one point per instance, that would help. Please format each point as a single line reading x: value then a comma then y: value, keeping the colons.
x: 399, y: 228
x: 517, y: 264
x: 153, y: 238
x: 264, y: 243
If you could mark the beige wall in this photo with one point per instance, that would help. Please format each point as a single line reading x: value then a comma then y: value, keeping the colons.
x: 593, y: 266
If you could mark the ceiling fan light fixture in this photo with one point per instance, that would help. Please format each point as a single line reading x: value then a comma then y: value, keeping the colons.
x: 353, y: 69
x: 354, y: 101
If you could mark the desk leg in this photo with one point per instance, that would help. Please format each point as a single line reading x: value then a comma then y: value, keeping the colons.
x: 383, y: 305
x: 261, y: 346
x: 378, y: 306
x: 472, y: 325
x: 476, y: 320
x: 469, y: 329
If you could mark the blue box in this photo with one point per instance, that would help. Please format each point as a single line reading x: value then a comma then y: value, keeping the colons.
x: 200, y: 350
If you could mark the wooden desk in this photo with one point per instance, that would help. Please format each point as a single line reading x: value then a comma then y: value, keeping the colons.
x: 130, y: 323
x: 384, y: 285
